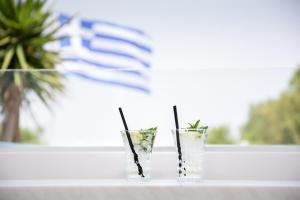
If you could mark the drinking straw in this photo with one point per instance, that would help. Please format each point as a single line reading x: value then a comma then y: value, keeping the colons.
x: 177, y: 139
x: 135, y: 156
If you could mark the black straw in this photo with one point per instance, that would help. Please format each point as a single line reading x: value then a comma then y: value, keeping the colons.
x: 177, y: 139
x: 135, y: 156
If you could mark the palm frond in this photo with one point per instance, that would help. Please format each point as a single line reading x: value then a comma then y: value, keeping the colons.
x: 26, y: 26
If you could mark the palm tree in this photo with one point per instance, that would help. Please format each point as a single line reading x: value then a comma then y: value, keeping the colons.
x: 26, y: 26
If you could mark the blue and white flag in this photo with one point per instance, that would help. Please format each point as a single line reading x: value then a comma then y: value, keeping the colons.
x: 106, y: 53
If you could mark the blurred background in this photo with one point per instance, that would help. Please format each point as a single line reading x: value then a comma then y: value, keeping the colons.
x: 232, y: 64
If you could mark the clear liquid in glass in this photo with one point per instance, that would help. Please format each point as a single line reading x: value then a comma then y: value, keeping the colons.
x: 143, y: 141
x: 192, y: 149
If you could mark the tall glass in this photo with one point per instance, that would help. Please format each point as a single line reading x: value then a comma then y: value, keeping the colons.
x: 142, y: 141
x: 190, y: 167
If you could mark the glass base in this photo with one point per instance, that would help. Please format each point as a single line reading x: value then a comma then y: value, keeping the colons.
x: 190, y: 179
x: 138, y: 179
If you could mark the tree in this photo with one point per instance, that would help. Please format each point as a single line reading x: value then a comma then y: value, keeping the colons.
x: 26, y: 26
x: 219, y: 135
x: 276, y: 121
x: 31, y: 136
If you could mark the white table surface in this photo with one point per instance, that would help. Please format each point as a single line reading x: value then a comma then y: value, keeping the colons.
x: 155, y: 189
x: 231, y: 173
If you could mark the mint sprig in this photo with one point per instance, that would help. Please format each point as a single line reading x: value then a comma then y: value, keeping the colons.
x: 199, y: 129
x: 146, y: 138
x: 196, y: 125
x: 154, y: 129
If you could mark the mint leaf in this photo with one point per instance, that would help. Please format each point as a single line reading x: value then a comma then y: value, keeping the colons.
x: 152, y: 129
x: 195, y: 125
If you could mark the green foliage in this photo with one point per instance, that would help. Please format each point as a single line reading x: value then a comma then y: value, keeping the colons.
x: 219, y: 135
x: 25, y: 28
x: 29, y: 136
x: 276, y: 121
x: 295, y: 81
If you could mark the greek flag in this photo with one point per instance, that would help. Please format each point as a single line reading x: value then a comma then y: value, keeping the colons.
x: 106, y: 53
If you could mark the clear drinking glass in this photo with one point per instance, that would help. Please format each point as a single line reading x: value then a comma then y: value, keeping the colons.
x: 142, y: 141
x: 190, y: 167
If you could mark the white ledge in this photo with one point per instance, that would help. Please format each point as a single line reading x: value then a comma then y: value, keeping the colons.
x: 77, y: 173
x: 152, y: 183
x: 156, y: 189
x: 278, y: 163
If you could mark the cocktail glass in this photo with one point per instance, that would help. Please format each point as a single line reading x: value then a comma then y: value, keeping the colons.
x: 190, y: 163
x: 138, y: 162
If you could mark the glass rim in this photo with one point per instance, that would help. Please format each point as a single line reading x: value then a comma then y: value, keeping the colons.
x: 136, y: 130
x: 191, y: 129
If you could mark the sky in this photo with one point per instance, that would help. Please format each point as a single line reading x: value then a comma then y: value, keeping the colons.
x: 217, y: 33
x: 213, y: 59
